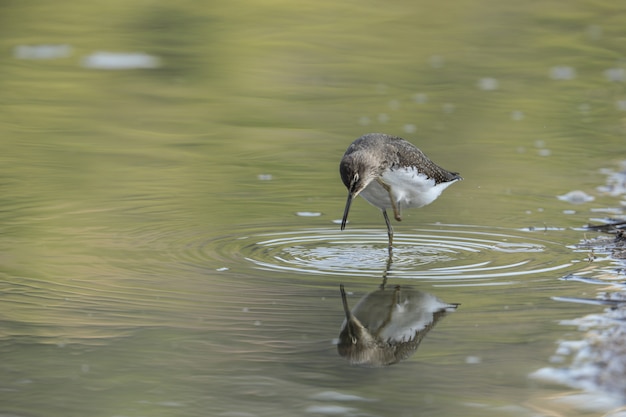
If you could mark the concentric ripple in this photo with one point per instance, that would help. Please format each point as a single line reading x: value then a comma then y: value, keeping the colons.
x: 445, y: 253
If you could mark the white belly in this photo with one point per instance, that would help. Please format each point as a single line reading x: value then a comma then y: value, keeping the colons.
x: 408, y: 188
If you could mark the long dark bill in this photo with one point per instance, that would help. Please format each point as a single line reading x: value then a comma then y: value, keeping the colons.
x: 344, y: 300
x: 346, y: 211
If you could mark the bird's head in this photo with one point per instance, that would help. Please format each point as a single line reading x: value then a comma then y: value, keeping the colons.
x: 356, y: 174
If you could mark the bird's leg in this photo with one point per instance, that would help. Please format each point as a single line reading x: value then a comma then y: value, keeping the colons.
x: 382, y: 284
x: 395, y: 299
x: 387, y: 270
x: 396, y: 208
x: 396, y: 295
x: 389, y: 233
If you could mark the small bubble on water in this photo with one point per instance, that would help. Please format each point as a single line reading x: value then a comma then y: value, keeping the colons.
x: 594, y: 32
x: 42, y: 51
x: 610, y: 210
x: 364, y: 120
x: 615, y: 74
x: 264, y: 177
x: 381, y: 88
x: 562, y: 73
x: 576, y: 197
x: 517, y: 115
x: 394, y: 104
x: 330, y: 410
x: 448, y: 108
x: 308, y: 214
x: 170, y: 404
x: 120, y: 61
x: 584, y: 108
x: 24, y: 381
x: 258, y: 323
x: 410, y: 128
x: 436, y: 61
x: 488, y: 84
x: 473, y: 360
x: 420, y: 98
x: 383, y: 117
x: 544, y: 152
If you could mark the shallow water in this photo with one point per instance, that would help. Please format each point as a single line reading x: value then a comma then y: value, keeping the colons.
x: 169, y: 238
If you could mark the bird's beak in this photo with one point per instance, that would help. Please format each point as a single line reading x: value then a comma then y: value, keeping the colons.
x: 350, y: 319
x: 344, y: 301
x: 344, y: 220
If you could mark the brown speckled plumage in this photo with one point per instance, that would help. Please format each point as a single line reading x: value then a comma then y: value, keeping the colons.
x: 385, y: 151
x: 390, y: 172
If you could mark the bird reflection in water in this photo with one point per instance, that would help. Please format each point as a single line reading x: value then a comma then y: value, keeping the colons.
x: 387, y: 325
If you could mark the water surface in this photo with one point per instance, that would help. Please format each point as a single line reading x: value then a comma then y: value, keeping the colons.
x: 169, y: 242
